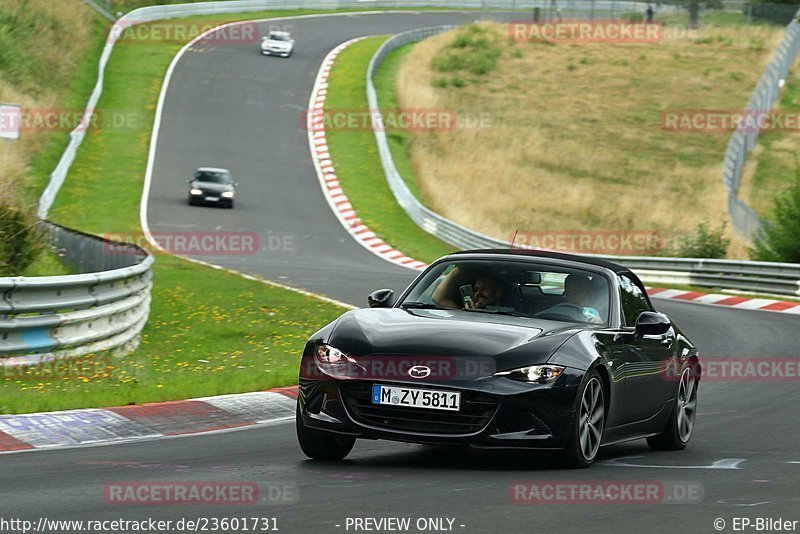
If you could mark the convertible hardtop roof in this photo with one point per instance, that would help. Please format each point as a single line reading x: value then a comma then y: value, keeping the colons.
x: 548, y: 254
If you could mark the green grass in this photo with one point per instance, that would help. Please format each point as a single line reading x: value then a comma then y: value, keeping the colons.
x: 358, y: 164
x: 25, y: 63
x: 47, y: 263
x: 79, y: 89
x: 399, y: 140
x: 239, y: 336
x: 473, y: 51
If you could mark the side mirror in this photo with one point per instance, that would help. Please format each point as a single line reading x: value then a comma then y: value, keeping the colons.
x: 652, y: 324
x: 381, y: 298
x: 235, y: 184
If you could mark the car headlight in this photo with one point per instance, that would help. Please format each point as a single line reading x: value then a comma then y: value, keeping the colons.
x: 539, y: 374
x: 328, y: 354
x: 196, y: 192
x: 227, y: 194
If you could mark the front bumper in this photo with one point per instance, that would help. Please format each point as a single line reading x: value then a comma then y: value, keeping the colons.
x: 496, y: 412
x: 281, y: 53
x: 201, y: 199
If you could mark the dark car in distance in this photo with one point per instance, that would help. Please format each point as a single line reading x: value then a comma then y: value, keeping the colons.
x: 212, y: 186
x: 502, y: 349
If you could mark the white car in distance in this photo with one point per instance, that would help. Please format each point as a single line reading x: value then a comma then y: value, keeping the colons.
x: 277, y: 43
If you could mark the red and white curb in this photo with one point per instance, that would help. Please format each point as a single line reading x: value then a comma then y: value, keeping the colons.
x: 731, y: 301
x: 337, y: 199
x: 125, y: 424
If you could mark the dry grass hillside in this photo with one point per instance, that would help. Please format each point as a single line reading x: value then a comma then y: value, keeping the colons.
x: 574, y: 138
x: 41, y: 42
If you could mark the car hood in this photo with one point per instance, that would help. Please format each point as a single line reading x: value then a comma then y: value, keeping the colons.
x: 509, y: 341
x: 211, y: 186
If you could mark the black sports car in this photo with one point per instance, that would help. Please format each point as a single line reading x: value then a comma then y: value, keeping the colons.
x: 502, y: 349
x: 212, y: 186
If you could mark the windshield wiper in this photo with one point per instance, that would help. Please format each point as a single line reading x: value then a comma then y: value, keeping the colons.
x: 420, y: 306
x: 496, y: 312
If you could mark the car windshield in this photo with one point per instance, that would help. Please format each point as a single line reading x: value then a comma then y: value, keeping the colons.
x: 518, y: 288
x: 278, y: 37
x: 213, y: 177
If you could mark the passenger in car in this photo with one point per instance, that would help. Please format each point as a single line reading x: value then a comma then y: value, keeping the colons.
x: 486, y: 290
x: 578, y: 294
x: 599, y: 298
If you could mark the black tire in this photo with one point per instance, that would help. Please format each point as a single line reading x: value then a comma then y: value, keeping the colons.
x: 230, y: 205
x: 572, y: 456
x: 672, y: 438
x: 321, y: 446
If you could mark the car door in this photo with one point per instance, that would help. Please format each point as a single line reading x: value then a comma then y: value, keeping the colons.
x: 646, y: 357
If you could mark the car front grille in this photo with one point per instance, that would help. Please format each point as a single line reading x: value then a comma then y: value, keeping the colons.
x: 475, y: 413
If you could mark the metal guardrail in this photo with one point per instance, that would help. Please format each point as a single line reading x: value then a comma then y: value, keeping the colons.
x: 103, y: 308
x: 778, y: 278
x: 745, y: 220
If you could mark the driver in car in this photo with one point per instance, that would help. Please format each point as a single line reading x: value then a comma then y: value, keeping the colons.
x: 578, y: 295
x: 486, y: 291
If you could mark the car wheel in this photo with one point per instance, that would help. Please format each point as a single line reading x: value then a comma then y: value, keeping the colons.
x: 230, y: 205
x: 587, y: 428
x: 321, y: 446
x: 190, y: 201
x: 680, y: 425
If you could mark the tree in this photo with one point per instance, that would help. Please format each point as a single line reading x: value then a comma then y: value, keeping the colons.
x: 778, y: 238
x: 705, y: 243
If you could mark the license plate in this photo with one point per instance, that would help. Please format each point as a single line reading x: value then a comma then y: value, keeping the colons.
x: 212, y: 199
x: 416, y: 398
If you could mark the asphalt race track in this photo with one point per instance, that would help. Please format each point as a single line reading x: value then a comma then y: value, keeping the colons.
x: 229, y: 107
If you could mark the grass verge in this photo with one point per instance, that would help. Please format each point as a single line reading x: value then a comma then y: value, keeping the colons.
x: 358, y: 164
x: 399, y: 140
